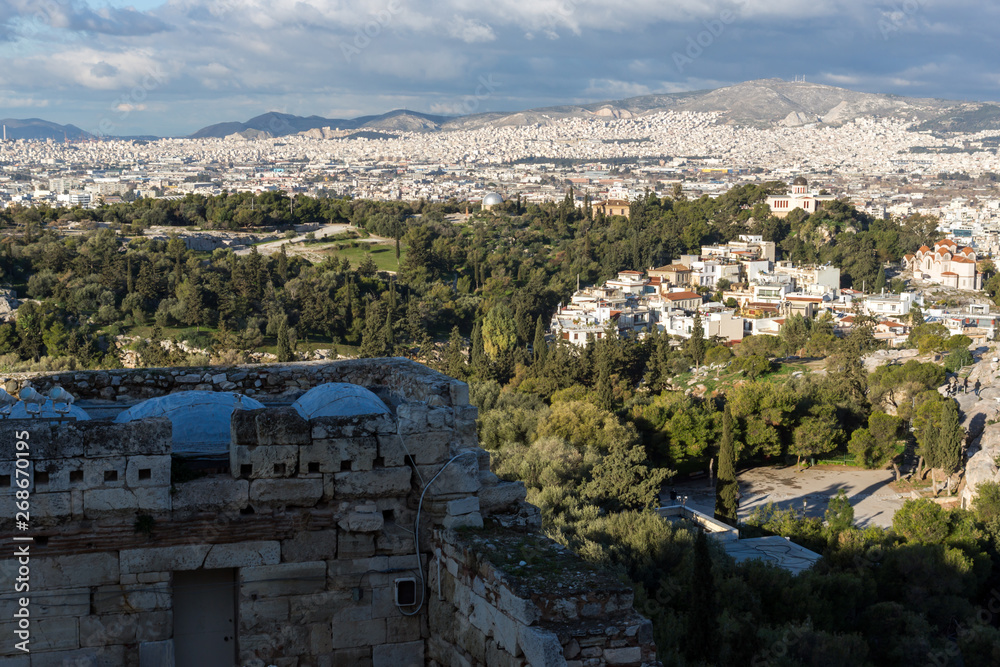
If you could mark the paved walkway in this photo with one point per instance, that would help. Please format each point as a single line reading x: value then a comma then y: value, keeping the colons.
x: 810, y: 491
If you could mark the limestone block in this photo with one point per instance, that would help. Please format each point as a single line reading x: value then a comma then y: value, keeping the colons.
x: 108, y: 472
x: 147, y: 471
x: 321, y: 456
x: 320, y: 640
x: 283, y: 579
x: 163, y: 559
x: 58, y: 475
x: 243, y: 554
x: 402, y: 629
x: 482, y: 614
x: 501, y: 496
x: 258, y: 614
x: 474, y: 520
x: 505, y: 631
x: 440, y: 418
x: 68, y: 602
x: 459, y: 476
x: 359, y: 633
x: 349, y: 657
x: 212, y: 493
x: 126, y: 628
x: 40, y: 440
x: 394, y: 540
x: 47, y: 634
x: 243, y: 427
x: 391, y: 451
x: 523, y: 610
x: 46, y: 508
x: 355, y: 545
x: 267, y: 461
x: 23, y: 660
x: 540, y: 647
x: 331, y: 452
x: 413, y: 412
x: 323, y: 607
x: 130, y: 599
x: 459, y: 393
x: 376, y: 483
x: 407, y: 654
x: 466, y: 413
x: 151, y: 436
x: 286, y: 492
x: 188, y: 379
x: 68, y: 571
x: 363, y: 518
x: 106, y: 656
x: 105, y: 502
x: 218, y: 378
x: 428, y: 447
x: 310, y: 545
x: 282, y: 426
x: 631, y: 655
x: 462, y: 506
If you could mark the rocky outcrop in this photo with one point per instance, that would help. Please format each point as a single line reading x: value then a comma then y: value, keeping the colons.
x: 982, y: 466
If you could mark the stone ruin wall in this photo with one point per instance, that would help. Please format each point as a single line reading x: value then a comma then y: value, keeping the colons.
x: 393, y: 379
x: 311, y: 512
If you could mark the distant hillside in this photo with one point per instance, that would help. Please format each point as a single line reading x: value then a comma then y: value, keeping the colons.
x: 280, y: 124
x: 36, y: 128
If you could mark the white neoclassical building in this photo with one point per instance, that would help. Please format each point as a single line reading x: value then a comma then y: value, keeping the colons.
x: 947, y: 264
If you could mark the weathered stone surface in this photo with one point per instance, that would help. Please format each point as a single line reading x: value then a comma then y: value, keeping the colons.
x: 407, y: 654
x: 47, y: 634
x: 164, y: 559
x: 68, y: 602
x: 243, y: 554
x: 359, y: 633
x: 125, y: 628
x: 260, y: 613
x: 103, y: 502
x: 355, y: 545
x: 68, y: 571
x: 149, y: 436
x: 402, y: 629
x: 98, y: 473
x: 212, y: 493
x: 631, y: 655
x: 286, y: 492
x: 473, y: 520
x: 376, y: 483
x: 458, y: 392
x: 329, y: 453
x: 132, y: 599
x: 428, y: 447
x: 540, y: 647
x: 460, y: 476
x: 283, y: 579
x: 462, y: 506
x: 105, y: 656
x: 363, y: 518
x: 310, y: 545
x: 266, y: 461
x: 243, y: 427
x: 155, y: 471
x: 349, y: 657
x: 501, y: 496
x: 282, y: 426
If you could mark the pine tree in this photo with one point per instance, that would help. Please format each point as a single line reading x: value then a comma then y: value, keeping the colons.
x: 726, y: 487
x: 284, y: 345
x: 539, y: 346
x: 477, y: 356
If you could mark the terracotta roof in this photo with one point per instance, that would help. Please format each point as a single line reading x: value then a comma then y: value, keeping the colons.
x: 911, y: 256
x: 812, y: 299
x: 967, y: 251
x: 637, y: 273
x: 949, y: 273
x: 946, y: 242
x: 962, y: 260
x: 681, y: 296
x: 924, y: 248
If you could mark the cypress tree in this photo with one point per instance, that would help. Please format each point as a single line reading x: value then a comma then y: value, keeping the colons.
x: 477, y: 357
x: 455, y: 358
x: 726, y: 487
x: 696, y: 344
x: 701, y: 634
x: 284, y: 345
x: 539, y: 346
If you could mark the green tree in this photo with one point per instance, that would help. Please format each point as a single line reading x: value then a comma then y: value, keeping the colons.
x: 695, y: 345
x: 284, y: 345
x: 704, y: 618
x: 727, y: 488
x: 539, y: 346
x: 839, y: 513
x: 455, y: 357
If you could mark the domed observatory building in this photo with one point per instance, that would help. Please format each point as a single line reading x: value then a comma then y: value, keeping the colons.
x: 492, y: 200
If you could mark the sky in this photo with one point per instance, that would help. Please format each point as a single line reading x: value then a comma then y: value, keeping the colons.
x: 114, y: 67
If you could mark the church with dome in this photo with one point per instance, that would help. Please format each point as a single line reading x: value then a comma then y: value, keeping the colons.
x: 947, y: 264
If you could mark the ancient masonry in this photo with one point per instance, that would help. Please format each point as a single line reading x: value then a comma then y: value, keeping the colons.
x: 306, y: 544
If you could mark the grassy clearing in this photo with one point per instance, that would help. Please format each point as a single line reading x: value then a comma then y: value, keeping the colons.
x: 384, y: 255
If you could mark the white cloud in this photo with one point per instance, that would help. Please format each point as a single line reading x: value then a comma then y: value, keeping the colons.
x: 471, y: 31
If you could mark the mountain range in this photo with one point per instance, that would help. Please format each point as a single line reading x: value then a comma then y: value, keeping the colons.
x: 760, y: 103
